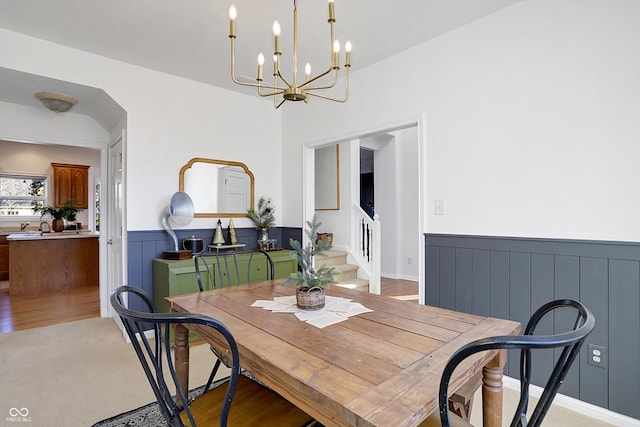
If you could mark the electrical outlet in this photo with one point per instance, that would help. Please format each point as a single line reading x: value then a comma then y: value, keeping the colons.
x: 597, y: 356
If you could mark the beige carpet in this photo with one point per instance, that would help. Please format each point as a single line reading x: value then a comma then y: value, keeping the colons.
x: 78, y: 373
x: 556, y: 417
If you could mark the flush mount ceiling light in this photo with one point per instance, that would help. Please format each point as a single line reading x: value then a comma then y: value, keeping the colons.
x: 56, y: 101
x: 293, y: 90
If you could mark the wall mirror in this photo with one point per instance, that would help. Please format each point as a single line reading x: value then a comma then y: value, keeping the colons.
x: 218, y: 188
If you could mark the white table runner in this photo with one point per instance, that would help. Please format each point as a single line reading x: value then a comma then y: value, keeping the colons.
x: 335, y: 310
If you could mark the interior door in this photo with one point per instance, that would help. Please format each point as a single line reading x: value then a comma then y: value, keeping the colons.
x: 115, y: 230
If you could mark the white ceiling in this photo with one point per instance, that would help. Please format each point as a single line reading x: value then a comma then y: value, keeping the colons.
x: 189, y: 38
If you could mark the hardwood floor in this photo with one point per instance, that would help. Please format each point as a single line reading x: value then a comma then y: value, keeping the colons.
x: 399, y: 288
x: 32, y: 311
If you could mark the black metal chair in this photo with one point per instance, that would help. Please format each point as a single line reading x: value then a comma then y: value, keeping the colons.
x: 254, y: 404
x: 226, y: 272
x: 227, y: 269
x: 570, y: 342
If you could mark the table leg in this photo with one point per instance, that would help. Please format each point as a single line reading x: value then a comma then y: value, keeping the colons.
x: 181, y: 342
x: 492, y: 391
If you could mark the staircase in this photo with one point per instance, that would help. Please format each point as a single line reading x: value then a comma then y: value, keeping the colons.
x: 346, y: 274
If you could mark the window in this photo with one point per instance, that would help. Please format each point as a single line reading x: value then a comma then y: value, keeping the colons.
x: 19, y: 194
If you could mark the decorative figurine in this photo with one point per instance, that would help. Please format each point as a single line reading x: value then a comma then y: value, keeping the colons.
x: 232, y: 233
x: 218, y: 238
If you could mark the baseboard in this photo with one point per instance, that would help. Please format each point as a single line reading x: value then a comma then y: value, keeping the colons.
x: 575, y: 405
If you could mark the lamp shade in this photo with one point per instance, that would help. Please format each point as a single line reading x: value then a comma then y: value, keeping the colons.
x: 56, y: 102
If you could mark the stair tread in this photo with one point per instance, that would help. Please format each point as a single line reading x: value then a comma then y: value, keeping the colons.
x: 337, y: 260
x: 341, y: 268
x: 331, y: 253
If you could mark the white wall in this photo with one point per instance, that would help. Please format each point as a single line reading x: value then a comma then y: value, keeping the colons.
x: 407, y: 256
x: 27, y: 124
x: 531, y: 121
x: 385, y: 183
x: 169, y: 121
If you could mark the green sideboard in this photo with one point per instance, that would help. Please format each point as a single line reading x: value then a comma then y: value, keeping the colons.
x: 178, y: 277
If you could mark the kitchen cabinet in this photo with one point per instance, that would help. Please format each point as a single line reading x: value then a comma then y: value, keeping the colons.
x: 4, y: 258
x: 70, y: 182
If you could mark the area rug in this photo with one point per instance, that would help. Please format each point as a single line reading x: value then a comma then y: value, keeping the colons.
x: 148, y: 415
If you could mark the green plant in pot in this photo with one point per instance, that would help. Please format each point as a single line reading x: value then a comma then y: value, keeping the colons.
x: 263, y: 219
x: 310, y: 282
x: 67, y: 212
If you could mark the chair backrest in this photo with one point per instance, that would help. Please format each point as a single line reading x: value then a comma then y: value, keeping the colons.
x: 224, y: 269
x: 155, y: 356
x: 569, y: 341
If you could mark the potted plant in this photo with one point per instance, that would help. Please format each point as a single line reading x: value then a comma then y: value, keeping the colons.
x: 310, y: 282
x: 263, y: 219
x: 60, y: 215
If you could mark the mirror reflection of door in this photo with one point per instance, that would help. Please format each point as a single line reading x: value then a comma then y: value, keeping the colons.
x: 234, y: 191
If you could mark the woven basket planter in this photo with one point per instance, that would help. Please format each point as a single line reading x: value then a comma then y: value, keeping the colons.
x: 310, y: 299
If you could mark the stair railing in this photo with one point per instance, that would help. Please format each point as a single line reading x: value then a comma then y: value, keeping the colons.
x: 366, y: 246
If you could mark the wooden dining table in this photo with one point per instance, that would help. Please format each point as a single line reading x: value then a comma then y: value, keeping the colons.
x: 380, y: 368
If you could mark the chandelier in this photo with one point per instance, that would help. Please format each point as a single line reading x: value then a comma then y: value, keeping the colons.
x: 294, y: 89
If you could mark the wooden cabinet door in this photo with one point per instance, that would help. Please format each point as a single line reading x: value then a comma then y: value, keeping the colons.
x: 70, y: 182
x: 79, y: 187
x: 61, y: 186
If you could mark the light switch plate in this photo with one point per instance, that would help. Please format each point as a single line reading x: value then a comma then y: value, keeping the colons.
x: 440, y: 207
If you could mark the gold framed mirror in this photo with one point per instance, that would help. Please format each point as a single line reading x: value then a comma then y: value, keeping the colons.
x: 218, y: 188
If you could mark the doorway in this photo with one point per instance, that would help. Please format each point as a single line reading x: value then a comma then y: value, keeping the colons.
x: 397, y: 189
x: 393, y: 176
x: 34, y: 310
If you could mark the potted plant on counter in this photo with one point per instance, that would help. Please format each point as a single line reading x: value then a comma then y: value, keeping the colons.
x: 310, y: 282
x: 67, y: 212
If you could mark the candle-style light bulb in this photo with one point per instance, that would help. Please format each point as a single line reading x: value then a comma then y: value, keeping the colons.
x: 336, y: 46
x: 334, y: 57
x: 233, y: 14
x: 276, y: 37
x: 307, y: 70
x: 260, y: 64
x: 347, y: 48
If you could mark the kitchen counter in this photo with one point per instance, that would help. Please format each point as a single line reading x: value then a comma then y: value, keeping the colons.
x: 50, y: 262
x: 37, y: 235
